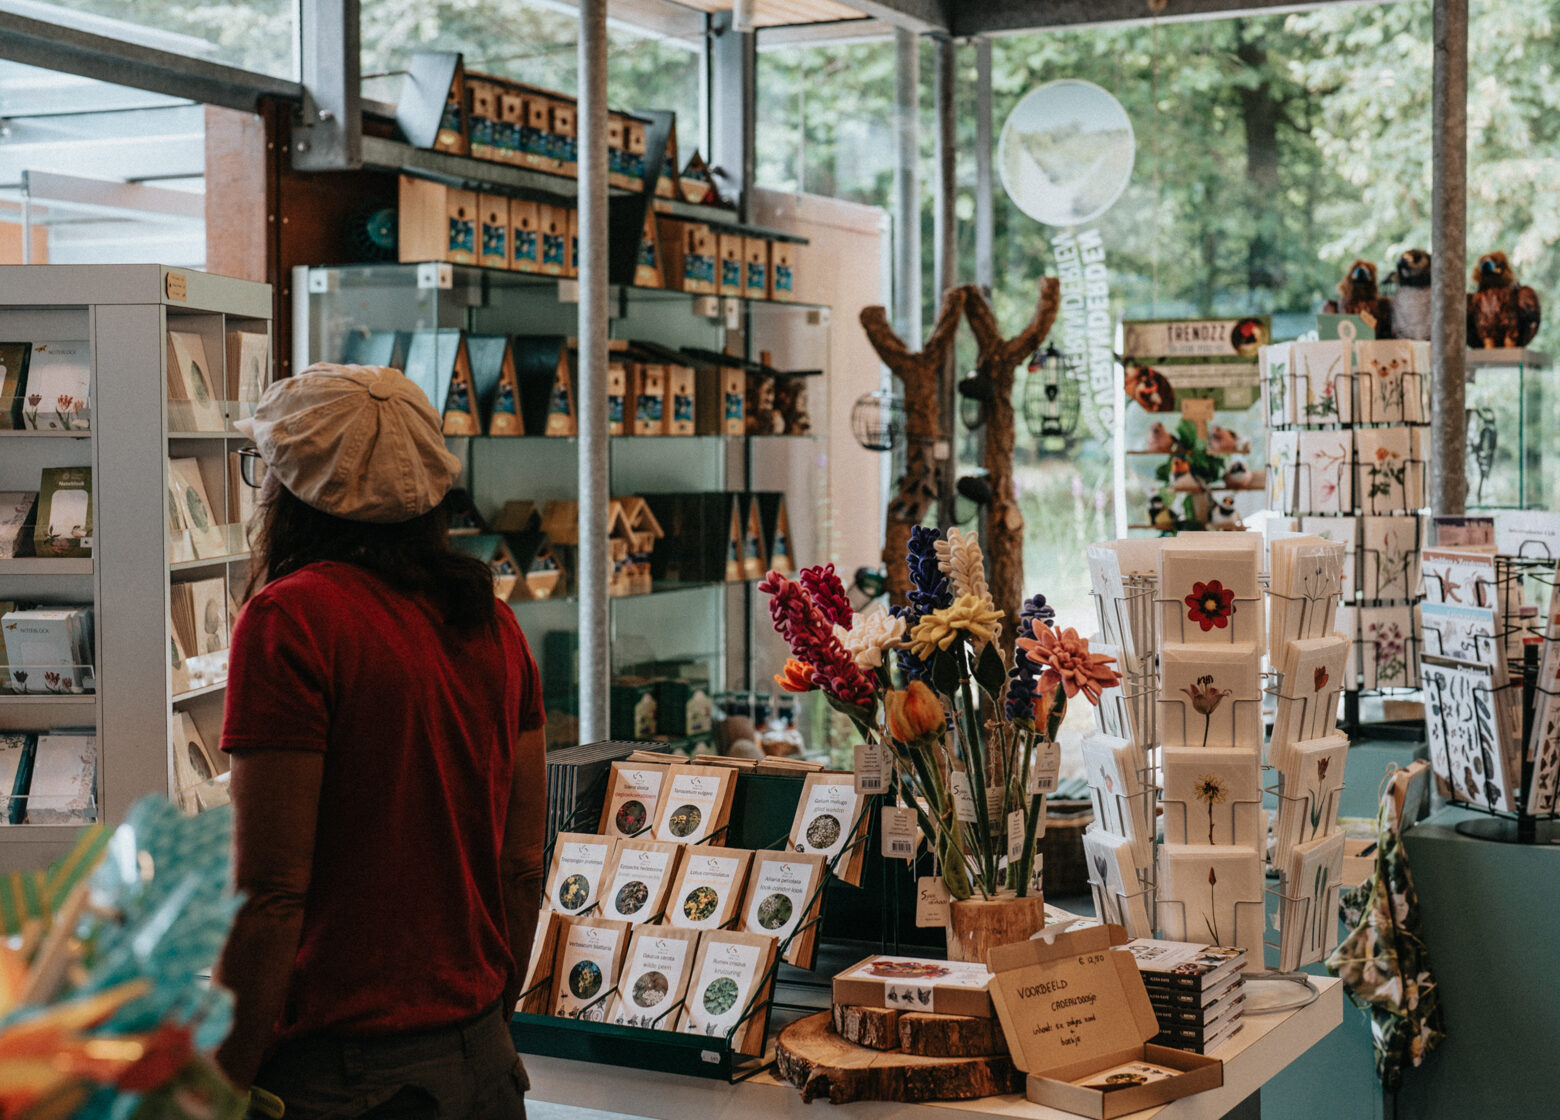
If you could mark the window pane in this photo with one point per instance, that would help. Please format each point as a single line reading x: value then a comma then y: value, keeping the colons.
x: 257, y: 35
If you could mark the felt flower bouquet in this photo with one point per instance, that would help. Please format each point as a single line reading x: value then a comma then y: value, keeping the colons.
x: 960, y: 717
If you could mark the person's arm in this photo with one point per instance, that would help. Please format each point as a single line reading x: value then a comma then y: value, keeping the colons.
x: 521, y: 862
x: 276, y: 796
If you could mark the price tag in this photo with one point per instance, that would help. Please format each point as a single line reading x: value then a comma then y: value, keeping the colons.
x: 1047, y: 768
x: 1015, y: 835
x: 931, y: 902
x: 898, y: 828
x: 871, y: 768
x: 963, y: 802
x: 994, y: 794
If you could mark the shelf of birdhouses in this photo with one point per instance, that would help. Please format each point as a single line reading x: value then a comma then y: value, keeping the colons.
x: 467, y: 173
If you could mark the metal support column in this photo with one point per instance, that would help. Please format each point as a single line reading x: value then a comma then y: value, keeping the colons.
x: 733, y: 107
x: 330, y: 135
x: 945, y: 254
x: 591, y: 391
x: 1448, y: 267
x: 985, y: 153
x: 907, y: 188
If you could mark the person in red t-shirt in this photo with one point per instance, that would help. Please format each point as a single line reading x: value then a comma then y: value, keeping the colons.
x: 384, y: 719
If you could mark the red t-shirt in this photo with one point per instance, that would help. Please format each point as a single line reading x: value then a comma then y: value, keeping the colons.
x: 403, y: 924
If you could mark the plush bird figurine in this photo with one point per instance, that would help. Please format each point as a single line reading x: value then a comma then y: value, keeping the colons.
x: 1223, y: 515
x: 1160, y: 515
x: 1502, y: 313
x: 1357, y: 295
x: 1411, y: 305
x: 1160, y: 439
x: 1181, y: 476
x: 1237, y: 476
x: 1222, y: 441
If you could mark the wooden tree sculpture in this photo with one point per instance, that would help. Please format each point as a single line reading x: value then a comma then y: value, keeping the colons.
x: 917, y: 488
x: 999, y: 359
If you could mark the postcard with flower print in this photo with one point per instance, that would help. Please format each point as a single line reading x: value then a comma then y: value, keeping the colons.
x: 1344, y: 530
x: 1391, y: 378
x: 1464, y: 733
x: 1209, y: 594
x: 1273, y: 364
x: 1306, y: 581
x: 1124, y: 618
x: 1312, y: 879
x: 1119, y: 895
x: 1321, y: 389
x: 1210, y: 696
x: 1323, y: 472
x: 1114, y: 767
x: 1391, y: 567
x: 1213, y: 796
x: 1313, y: 671
x: 1389, y: 645
x: 1212, y: 894
x: 1283, y: 489
x: 1308, y: 801
x: 1461, y: 577
x: 1391, y: 471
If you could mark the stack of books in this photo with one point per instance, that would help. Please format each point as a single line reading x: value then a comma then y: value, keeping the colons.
x: 1198, y: 991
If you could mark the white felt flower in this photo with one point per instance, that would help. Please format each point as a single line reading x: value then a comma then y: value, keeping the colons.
x: 870, y: 635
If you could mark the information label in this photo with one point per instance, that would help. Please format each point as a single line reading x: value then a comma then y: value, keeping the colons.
x: 898, y: 828
x: 931, y: 901
x: 871, y: 768
x: 963, y: 802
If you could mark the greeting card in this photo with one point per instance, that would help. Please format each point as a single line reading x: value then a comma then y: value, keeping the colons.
x: 1113, y: 767
x: 1121, y: 713
x: 1284, y: 492
x: 1533, y: 534
x: 1392, y: 557
x: 1306, y: 581
x: 655, y: 976
x: 1312, y: 780
x: 1213, y: 796
x: 1388, y: 647
x: 1391, y: 380
x: 1312, y: 676
x: 1349, y: 627
x: 1391, y: 476
x: 1320, y: 383
x: 1208, y: 591
x: 1210, y: 696
x: 1119, y: 897
x: 1313, y: 876
x: 1463, y: 732
x: 1461, y: 633
x: 1273, y: 365
x: 1211, y: 893
x: 1345, y: 531
x: 1460, y: 576
x: 1322, y: 474
x: 1123, y: 609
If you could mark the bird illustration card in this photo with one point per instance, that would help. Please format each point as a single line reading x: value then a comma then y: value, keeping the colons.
x: 1461, y: 633
x: 1212, y: 894
x: 1306, y: 578
x: 1462, y: 577
x: 1320, y: 383
x: 1391, y: 379
x: 1391, y: 475
x: 1464, y: 732
x: 1210, y: 696
x: 1323, y: 472
x: 1213, y: 796
x: 1119, y: 896
x: 1283, y: 484
x: 1313, y: 877
x: 1389, y: 647
x: 1344, y: 530
x: 1208, y: 591
x: 1308, y: 801
x: 1391, y: 557
x: 1121, y: 804
x: 1313, y: 675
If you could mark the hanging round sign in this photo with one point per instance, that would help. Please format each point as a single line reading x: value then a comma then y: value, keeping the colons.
x: 1066, y: 152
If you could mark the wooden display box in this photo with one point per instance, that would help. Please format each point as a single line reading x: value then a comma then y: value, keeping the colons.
x: 565, y: 136
x: 536, y: 145
x: 436, y: 222
x: 649, y: 399
x: 681, y: 401
x: 960, y: 989
x: 1104, y: 1021
x: 553, y: 226
x: 511, y: 123
x: 688, y: 252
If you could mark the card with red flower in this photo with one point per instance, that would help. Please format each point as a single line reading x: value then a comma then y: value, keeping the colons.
x: 1312, y: 676
x: 1321, y: 389
x: 1212, y: 894
x: 1210, y: 696
x: 1310, y: 785
x: 1213, y: 796
x: 1392, y: 375
x: 1208, y: 589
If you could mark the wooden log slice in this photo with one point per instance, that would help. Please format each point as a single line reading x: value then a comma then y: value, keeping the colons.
x: 876, y: 1028
x: 811, y: 1056
x: 950, y: 1036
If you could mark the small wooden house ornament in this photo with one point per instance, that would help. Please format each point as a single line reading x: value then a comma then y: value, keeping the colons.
x: 492, y: 550
x: 574, y: 244
x: 776, y: 523
x: 431, y: 111
x: 647, y: 269
x: 644, y: 531
x: 755, y: 273
x: 536, y: 137
x: 681, y: 401
x: 721, y: 400
x: 526, y: 235
x: 561, y: 522
x: 434, y: 358
x: 493, y: 211
x: 462, y: 416
x: 482, y: 115
x: 620, y: 546
x: 782, y: 269
x: 544, y: 372
x: 553, y: 225
x: 511, y: 121
x: 736, y: 544
x: 541, y: 573
x: 494, y: 388
x: 634, y: 153
x: 729, y: 246
x: 649, y: 399
x: 617, y: 396
x: 755, y: 561
x: 464, y: 517
x: 565, y: 137
x: 697, y: 184
x: 666, y: 184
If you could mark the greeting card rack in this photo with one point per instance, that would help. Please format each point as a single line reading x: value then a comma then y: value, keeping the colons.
x: 758, y: 814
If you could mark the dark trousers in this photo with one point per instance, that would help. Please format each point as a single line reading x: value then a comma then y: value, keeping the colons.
x: 470, y: 1072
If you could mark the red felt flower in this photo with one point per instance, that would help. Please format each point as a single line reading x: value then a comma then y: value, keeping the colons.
x: 1210, y: 604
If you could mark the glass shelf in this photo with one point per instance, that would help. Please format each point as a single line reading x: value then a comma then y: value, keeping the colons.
x: 211, y: 420
x: 47, y: 420
x: 220, y: 544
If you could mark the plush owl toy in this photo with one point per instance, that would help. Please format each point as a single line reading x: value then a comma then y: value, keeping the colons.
x: 1411, y: 312
x: 1502, y: 313
x: 1358, y: 295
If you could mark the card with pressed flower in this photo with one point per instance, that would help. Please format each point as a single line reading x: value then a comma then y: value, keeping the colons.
x: 1349, y: 627
x: 1273, y: 365
x: 1391, y: 377
x: 1210, y: 696
x: 1389, y: 645
x: 1122, y: 709
x: 1462, y: 577
x: 1464, y: 732
x: 1391, y: 474
x: 1208, y: 590
x: 1391, y: 555
x: 1313, y: 876
x: 1320, y: 383
x: 1284, y: 490
x: 1306, y: 579
x: 1123, y: 613
x: 1312, y: 780
x: 1322, y: 471
x: 1312, y: 676
x: 1213, y: 796
x: 1211, y: 893
x: 1345, y: 531
x: 1119, y: 895
x: 1122, y: 805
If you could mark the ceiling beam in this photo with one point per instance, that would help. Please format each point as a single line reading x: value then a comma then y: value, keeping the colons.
x: 920, y: 16
x: 997, y: 17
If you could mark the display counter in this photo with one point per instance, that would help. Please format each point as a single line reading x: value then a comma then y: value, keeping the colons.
x: 1253, y: 1057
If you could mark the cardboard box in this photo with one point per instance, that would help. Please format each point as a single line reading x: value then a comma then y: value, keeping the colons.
x: 688, y: 253
x: 912, y: 984
x: 511, y: 121
x: 730, y: 247
x: 553, y: 226
x: 493, y: 239
x: 1073, y: 1006
x: 755, y: 272
x: 782, y: 268
x: 436, y: 222
x: 482, y: 114
x: 526, y: 235
x: 565, y: 137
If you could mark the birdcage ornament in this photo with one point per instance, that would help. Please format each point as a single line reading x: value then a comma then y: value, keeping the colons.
x: 877, y: 420
x: 1053, y: 399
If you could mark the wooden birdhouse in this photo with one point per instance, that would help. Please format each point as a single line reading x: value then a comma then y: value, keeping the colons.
x: 620, y: 546
x: 561, y: 522
x: 544, y: 372
x: 681, y: 401
x: 775, y: 521
x: 697, y: 184
x: 647, y: 269
x: 511, y: 121
x: 688, y: 254
x: 729, y: 246
x: 541, y: 572
x: 618, y: 378
x: 482, y: 115
x: 666, y: 184
x: 374, y: 348
x: 464, y: 517
x: 435, y: 222
x: 525, y: 236
x: 565, y: 136
x: 736, y: 543
x: 634, y: 153
x: 755, y: 274
x: 574, y: 244
x: 536, y: 146
x: 722, y: 399
x: 462, y: 410
x: 649, y: 399
x: 493, y: 377
x: 492, y: 550
x: 518, y: 516
x: 694, y: 548
x: 433, y: 359
x: 493, y: 211
x: 782, y: 267
x: 644, y: 532
x: 615, y: 176
x: 431, y: 112
x: 553, y: 234
x: 755, y: 558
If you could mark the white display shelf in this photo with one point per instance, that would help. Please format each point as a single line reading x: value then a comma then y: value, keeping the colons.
x: 49, y: 700
x: 46, y: 566
x: 197, y: 693
x: 12, y: 433
x: 208, y: 562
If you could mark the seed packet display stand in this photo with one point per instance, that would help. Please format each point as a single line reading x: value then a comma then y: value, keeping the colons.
x: 1511, y: 572
x: 713, y: 1057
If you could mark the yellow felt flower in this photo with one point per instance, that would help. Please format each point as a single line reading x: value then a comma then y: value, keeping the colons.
x: 968, y: 616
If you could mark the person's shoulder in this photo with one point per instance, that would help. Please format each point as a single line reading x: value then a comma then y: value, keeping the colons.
x: 310, y: 588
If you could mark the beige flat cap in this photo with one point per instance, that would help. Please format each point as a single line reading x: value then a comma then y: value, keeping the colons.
x: 358, y: 442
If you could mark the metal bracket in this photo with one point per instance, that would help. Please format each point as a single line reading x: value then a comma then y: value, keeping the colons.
x: 435, y: 276
x: 330, y: 135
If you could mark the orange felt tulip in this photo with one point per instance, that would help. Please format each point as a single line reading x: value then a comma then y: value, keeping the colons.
x: 797, y: 676
x: 914, y: 713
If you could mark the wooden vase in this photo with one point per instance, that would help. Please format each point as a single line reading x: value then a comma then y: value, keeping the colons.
x: 978, y: 925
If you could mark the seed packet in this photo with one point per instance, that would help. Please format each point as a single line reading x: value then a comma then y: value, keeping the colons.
x: 640, y: 880
x: 708, y: 887
x: 585, y: 969
x: 633, y: 796
x: 730, y: 981
x: 579, y: 865
x: 537, y: 988
x: 827, y: 822
x: 695, y: 804
x: 655, y: 977
x: 784, y: 894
